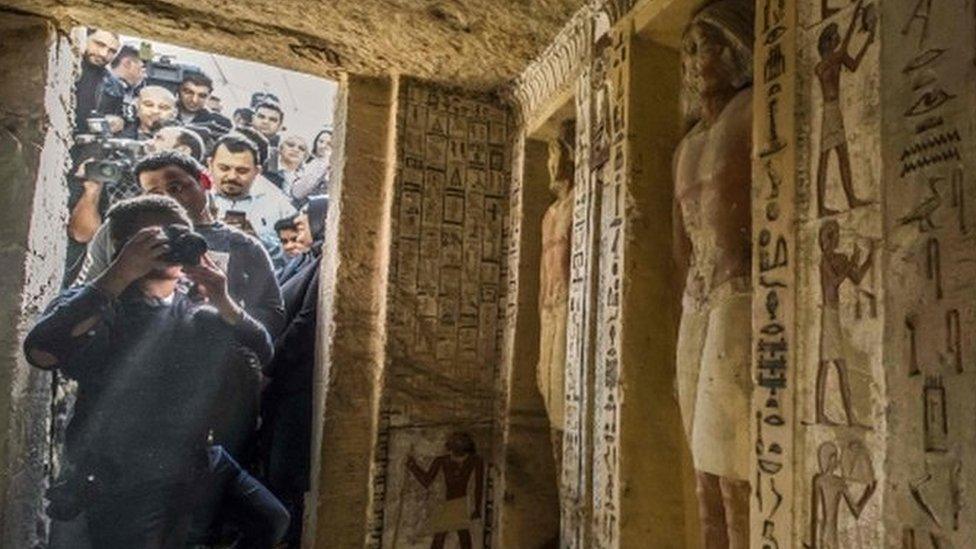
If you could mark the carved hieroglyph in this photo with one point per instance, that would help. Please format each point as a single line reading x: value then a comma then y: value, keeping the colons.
x: 774, y: 275
x: 445, y: 303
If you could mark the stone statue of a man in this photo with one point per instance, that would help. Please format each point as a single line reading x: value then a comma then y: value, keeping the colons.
x: 554, y: 281
x: 713, y: 175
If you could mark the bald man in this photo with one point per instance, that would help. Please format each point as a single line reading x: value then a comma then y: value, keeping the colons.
x: 154, y: 107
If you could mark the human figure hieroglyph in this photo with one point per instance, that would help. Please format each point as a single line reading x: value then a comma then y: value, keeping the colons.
x: 829, y: 487
x: 713, y: 178
x: 455, y: 513
x: 554, y: 275
x: 835, y: 269
x: 834, y: 58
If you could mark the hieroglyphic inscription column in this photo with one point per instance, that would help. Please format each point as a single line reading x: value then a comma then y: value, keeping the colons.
x: 928, y: 88
x: 577, y: 440
x: 610, y: 165
x: 638, y: 494
x: 774, y: 275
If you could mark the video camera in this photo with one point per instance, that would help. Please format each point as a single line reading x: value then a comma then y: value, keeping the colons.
x: 166, y: 72
x: 111, y: 157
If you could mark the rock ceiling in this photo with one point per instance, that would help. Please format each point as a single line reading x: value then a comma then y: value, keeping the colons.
x: 478, y: 44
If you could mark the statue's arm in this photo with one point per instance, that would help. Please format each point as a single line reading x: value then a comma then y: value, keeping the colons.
x: 681, y: 244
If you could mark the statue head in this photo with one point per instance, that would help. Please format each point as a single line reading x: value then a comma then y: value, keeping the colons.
x: 562, y: 158
x: 716, y: 53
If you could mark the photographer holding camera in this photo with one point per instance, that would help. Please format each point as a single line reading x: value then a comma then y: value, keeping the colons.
x: 150, y: 362
x: 104, y: 174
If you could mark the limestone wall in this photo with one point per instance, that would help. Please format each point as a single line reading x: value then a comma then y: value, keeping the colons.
x: 445, y: 301
x: 927, y: 89
x: 35, y: 98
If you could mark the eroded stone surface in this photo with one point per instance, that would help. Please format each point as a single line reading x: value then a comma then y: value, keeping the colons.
x: 477, y: 44
x: 33, y: 148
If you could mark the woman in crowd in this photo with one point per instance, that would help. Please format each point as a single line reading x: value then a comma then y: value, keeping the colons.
x: 292, y: 154
x: 313, y: 177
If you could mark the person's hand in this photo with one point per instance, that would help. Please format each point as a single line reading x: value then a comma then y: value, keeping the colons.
x: 91, y: 187
x: 80, y: 170
x: 140, y: 255
x: 212, y: 285
x: 115, y: 123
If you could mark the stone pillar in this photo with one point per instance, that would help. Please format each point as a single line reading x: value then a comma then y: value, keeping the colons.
x: 528, y: 512
x: 36, y: 97
x: 639, y: 496
x: 352, y: 307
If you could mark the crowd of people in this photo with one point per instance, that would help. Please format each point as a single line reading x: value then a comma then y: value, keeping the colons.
x: 188, y: 314
x: 123, y: 113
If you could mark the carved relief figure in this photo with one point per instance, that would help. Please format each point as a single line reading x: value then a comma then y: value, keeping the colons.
x: 835, y: 268
x: 834, y: 58
x: 557, y: 231
x: 829, y: 487
x: 713, y: 177
x: 458, y: 466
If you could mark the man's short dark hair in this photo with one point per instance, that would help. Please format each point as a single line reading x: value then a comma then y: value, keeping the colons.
x: 125, y: 52
x: 206, y: 138
x: 129, y: 216
x: 197, y: 79
x: 246, y: 113
x: 271, y: 106
x: 165, y: 159
x: 237, y: 143
x: 287, y: 223
x: 260, y: 97
x: 192, y: 140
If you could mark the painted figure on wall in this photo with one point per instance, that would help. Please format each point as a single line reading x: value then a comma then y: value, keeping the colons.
x: 557, y: 228
x: 829, y: 487
x: 835, y: 269
x: 713, y: 178
x: 834, y: 58
x: 459, y: 465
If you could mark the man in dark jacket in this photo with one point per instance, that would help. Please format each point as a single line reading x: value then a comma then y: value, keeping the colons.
x: 287, y: 403
x: 100, y: 48
x: 250, y: 279
x: 150, y: 362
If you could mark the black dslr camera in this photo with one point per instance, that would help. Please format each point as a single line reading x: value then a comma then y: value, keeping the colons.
x: 112, y: 158
x: 185, y: 246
